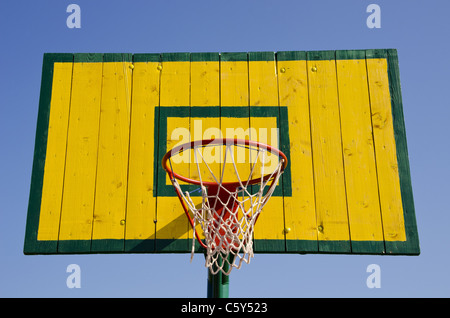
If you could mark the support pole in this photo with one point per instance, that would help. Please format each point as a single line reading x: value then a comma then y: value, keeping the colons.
x: 218, y: 284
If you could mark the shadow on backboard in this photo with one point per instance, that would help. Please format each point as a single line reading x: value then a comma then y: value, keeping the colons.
x: 171, y: 238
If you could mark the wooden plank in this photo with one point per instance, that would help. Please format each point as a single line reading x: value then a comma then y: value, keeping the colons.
x: 112, y: 164
x: 331, y: 205
x: 208, y: 158
x: 299, y: 207
x: 386, y: 151
x: 263, y: 90
x: 172, y: 225
x: 234, y: 121
x: 366, y: 231
x: 175, y: 91
x: 205, y: 113
x: 205, y: 124
x: 55, y: 158
x: 205, y: 120
x: 234, y: 79
x: 143, y: 168
x: 263, y: 93
x: 390, y: 195
x: 32, y: 245
x: 411, y: 246
x: 175, y: 79
x: 205, y: 75
x: 235, y: 114
x: 263, y: 85
x: 81, y: 159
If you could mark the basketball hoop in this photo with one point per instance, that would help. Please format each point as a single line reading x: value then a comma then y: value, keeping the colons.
x: 228, y: 210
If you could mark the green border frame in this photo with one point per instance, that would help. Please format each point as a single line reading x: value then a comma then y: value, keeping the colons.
x: 165, y: 112
x: 32, y: 245
x: 409, y: 247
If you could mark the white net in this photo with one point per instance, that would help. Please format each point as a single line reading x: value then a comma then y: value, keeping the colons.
x: 228, y: 211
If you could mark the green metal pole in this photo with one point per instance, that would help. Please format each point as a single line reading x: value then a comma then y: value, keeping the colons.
x: 218, y: 284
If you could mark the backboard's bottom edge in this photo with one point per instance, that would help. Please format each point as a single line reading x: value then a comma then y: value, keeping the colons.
x: 183, y: 246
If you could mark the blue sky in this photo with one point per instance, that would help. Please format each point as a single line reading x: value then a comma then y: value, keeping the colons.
x: 419, y: 30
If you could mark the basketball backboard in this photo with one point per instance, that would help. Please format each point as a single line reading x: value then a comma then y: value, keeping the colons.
x: 106, y: 120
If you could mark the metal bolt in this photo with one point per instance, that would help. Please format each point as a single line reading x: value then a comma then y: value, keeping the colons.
x: 131, y: 66
x: 287, y: 230
x: 282, y: 70
x: 159, y: 67
x: 122, y: 222
x: 320, y: 228
x: 314, y: 69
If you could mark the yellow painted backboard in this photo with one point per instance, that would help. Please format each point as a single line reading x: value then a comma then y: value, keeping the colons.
x: 106, y: 120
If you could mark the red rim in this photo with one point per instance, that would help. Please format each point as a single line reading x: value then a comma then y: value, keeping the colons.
x: 220, y: 141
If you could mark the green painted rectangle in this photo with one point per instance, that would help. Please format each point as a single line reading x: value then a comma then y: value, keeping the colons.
x: 205, y: 112
x: 232, y: 112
